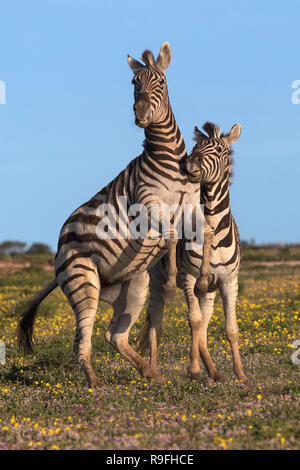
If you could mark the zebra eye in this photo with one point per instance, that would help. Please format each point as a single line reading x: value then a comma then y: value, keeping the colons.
x: 219, y: 149
x: 162, y: 81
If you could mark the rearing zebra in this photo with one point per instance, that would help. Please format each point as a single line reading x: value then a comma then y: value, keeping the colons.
x: 210, y: 162
x: 115, y: 269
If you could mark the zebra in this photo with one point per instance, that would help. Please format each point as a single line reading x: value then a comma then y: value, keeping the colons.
x: 115, y: 269
x: 211, y: 163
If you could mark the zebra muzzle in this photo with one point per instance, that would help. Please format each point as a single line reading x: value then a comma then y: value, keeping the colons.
x: 142, y: 112
x: 142, y: 122
x: 194, y: 175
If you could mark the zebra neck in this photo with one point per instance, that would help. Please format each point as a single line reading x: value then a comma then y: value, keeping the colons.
x: 163, y: 139
x: 216, y: 200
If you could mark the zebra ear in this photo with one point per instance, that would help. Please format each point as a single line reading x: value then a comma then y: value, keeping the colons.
x: 198, y: 135
x: 233, y: 135
x: 165, y: 56
x: 135, y: 65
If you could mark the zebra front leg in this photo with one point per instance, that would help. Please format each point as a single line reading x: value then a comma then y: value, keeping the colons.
x: 198, y: 324
x: 155, y: 312
x: 111, y: 294
x: 201, y: 285
x: 207, y: 306
x: 229, y: 292
x: 195, y: 322
x: 127, y: 309
x: 171, y: 242
x: 170, y: 286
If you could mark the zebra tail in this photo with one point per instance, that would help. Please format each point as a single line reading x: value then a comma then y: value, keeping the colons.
x: 143, y: 337
x: 26, y: 323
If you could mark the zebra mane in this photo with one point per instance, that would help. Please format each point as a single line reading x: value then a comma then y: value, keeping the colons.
x: 230, y: 162
x: 147, y: 58
x: 212, y: 130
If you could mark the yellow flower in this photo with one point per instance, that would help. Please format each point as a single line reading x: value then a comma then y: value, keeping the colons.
x: 259, y: 397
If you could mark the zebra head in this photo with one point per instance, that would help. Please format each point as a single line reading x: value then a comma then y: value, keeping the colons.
x: 211, y: 158
x: 150, y: 88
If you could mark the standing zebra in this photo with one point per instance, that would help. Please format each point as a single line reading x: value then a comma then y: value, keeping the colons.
x: 211, y: 163
x: 115, y: 269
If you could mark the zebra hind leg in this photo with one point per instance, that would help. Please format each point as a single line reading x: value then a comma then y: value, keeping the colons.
x: 82, y: 287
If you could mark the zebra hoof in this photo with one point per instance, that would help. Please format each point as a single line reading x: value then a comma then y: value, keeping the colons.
x: 157, y: 378
x: 194, y: 376
x: 241, y: 376
x: 95, y: 384
x: 217, y: 377
x: 169, y: 291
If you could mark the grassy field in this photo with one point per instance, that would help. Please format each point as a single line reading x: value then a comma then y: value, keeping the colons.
x: 45, y: 403
x: 250, y: 252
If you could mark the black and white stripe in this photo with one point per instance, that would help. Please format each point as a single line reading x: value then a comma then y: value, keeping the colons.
x: 115, y: 270
x: 211, y: 163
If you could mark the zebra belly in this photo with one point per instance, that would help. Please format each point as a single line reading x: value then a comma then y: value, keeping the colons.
x: 115, y: 260
x: 131, y: 262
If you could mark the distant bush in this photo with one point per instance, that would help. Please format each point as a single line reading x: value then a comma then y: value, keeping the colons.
x: 10, y: 247
x: 39, y: 249
x: 270, y: 252
x: 16, y: 247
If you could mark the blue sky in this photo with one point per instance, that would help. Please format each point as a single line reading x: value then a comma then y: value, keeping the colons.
x: 67, y: 127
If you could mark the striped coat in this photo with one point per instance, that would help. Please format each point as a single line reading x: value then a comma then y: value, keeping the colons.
x: 115, y: 269
x: 210, y: 162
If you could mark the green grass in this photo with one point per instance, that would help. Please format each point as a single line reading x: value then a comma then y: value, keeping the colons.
x: 45, y: 403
